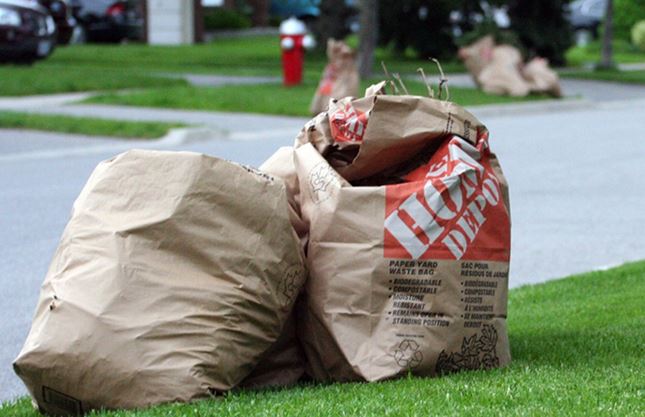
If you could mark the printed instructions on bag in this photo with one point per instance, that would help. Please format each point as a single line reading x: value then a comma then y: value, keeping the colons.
x: 414, y: 284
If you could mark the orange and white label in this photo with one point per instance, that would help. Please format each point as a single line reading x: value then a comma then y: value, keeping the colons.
x: 328, y: 80
x: 348, y: 124
x: 451, y: 208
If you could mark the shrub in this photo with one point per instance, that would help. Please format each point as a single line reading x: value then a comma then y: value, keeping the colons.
x: 542, y: 27
x: 220, y: 18
x: 626, y: 14
x: 638, y: 35
x: 423, y: 25
x: 332, y: 22
x: 489, y: 27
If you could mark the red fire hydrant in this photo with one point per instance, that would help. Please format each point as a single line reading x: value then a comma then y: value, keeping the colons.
x: 293, y: 42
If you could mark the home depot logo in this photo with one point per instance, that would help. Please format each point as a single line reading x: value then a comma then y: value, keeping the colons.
x: 450, y: 209
x: 347, y: 124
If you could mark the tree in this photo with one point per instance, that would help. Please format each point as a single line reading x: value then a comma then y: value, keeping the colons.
x: 625, y: 14
x: 332, y: 22
x: 423, y: 25
x: 368, y: 36
x: 606, y: 59
x: 542, y: 27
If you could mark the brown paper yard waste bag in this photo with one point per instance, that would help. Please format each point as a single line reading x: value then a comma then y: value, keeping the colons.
x: 499, y: 69
x: 280, y: 366
x: 502, y: 74
x: 477, y: 56
x: 340, y: 76
x: 284, y: 363
x: 175, y: 274
x: 409, y: 240
x: 541, y: 78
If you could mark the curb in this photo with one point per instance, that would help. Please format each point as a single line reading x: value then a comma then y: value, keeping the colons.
x: 174, y: 138
x: 36, y: 102
x: 546, y: 106
x: 184, y: 135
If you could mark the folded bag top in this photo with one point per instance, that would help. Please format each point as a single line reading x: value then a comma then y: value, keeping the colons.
x: 362, y: 137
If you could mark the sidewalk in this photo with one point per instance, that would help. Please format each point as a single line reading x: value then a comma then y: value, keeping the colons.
x: 206, y: 80
x: 572, y: 88
x: 580, y: 94
x: 229, y: 126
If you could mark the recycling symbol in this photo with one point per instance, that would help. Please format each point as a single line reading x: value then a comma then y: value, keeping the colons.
x: 407, y: 354
x: 290, y: 284
x: 320, y: 178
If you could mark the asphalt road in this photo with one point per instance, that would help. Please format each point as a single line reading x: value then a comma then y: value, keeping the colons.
x: 577, y: 181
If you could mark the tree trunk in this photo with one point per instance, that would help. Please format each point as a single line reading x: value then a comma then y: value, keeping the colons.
x: 260, y: 16
x: 606, y: 60
x: 368, y: 36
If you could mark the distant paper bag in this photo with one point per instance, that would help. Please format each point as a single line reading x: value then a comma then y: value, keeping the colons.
x: 541, y: 78
x: 477, y: 56
x: 502, y: 75
x: 340, y: 77
x: 409, y: 240
x: 175, y: 274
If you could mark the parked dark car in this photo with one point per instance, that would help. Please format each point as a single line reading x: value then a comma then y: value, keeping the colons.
x: 27, y: 31
x: 61, y: 11
x: 108, y: 20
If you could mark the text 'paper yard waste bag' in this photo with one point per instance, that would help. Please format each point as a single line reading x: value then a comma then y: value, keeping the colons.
x: 175, y: 274
x: 408, y: 247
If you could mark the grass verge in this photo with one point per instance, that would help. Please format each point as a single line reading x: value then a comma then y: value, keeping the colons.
x: 269, y: 98
x: 111, y: 67
x: 256, y: 55
x: 45, y: 78
x: 624, y: 53
x: 630, y: 77
x: 577, y: 348
x: 86, y: 126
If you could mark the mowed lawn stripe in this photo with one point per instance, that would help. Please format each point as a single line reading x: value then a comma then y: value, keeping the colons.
x: 272, y: 98
x: 577, y: 346
x: 86, y: 125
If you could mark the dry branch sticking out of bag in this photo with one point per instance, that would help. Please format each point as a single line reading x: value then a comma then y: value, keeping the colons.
x: 442, y: 85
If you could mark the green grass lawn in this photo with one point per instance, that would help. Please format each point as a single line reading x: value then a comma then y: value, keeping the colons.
x: 258, y: 55
x: 631, y: 77
x: 111, y: 67
x: 85, y: 125
x: 269, y: 98
x: 47, y: 78
x: 577, y: 346
x: 624, y: 53
x: 589, y: 56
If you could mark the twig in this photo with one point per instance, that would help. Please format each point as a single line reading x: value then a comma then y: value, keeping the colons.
x: 387, y: 74
x: 389, y: 81
x: 398, y: 78
x: 443, y: 81
x: 425, y: 80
